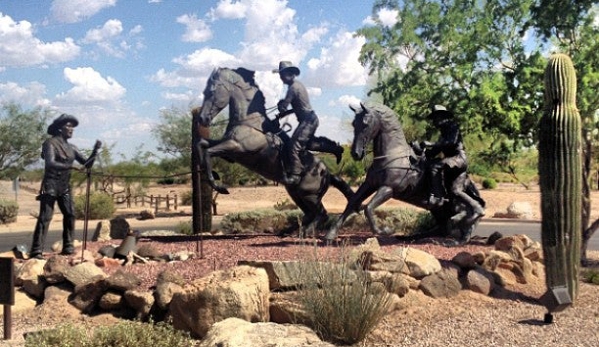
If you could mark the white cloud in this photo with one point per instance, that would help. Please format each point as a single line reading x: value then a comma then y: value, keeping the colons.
x: 110, y: 29
x: 346, y: 100
x: 338, y: 64
x: 19, y: 47
x: 227, y: 9
x: 32, y: 94
x: 73, y: 11
x: 90, y: 87
x: 110, y: 40
x: 388, y: 17
x: 194, y: 69
x: 196, y: 29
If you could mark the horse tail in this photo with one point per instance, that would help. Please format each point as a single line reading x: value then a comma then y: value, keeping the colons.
x: 342, y: 186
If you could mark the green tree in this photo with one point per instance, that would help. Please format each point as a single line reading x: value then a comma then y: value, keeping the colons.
x: 470, y: 56
x: 174, y: 135
x: 23, y: 133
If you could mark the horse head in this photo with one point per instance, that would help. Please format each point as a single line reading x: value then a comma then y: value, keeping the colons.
x: 216, y: 97
x: 366, y: 126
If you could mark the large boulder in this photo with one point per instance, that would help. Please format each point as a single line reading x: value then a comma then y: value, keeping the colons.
x: 234, y: 332
x: 241, y: 292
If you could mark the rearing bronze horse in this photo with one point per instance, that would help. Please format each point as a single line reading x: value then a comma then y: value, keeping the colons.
x: 398, y: 172
x: 258, y: 143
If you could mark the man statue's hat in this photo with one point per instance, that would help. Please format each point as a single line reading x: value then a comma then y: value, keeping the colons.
x: 60, y: 121
x: 439, y: 111
x: 284, y: 65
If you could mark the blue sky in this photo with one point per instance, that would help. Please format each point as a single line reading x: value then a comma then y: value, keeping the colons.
x: 115, y: 64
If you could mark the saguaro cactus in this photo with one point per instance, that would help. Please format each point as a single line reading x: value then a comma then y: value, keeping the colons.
x: 560, y: 176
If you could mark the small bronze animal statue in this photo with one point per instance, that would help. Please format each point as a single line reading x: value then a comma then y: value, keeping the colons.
x: 258, y: 143
x: 398, y: 172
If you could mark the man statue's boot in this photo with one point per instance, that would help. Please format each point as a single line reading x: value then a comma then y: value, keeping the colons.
x: 325, y: 145
x: 477, y: 210
x: 435, y: 199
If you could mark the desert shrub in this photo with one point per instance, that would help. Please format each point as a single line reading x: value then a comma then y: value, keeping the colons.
x: 590, y: 276
x: 259, y: 221
x: 340, y: 304
x: 489, y: 183
x: 123, y: 334
x: 187, y: 198
x: 403, y: 221
x: 8, y: 211
x: 101, y: 206
x: 285, y: 205
x: 185, y: 228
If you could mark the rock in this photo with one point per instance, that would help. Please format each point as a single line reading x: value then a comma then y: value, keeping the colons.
x: 419, y: 263
x: 55, y: 268
x: 442, y: 284
x: 141, y: 302
x: 464, y: 260
x: 84, y: 273
x: 170, y: 276
x: 285, y: 307
x: 109, y: 263
x: 111, y: 301
x: 240, y: 292
x: 107, y: 251
x: 235, y: 332
x: 480, y: 281
x: 119, y: 228
x: 122, y: 281
x: 520, y: 210
x: 394, y: 283
x: 164, y: 293
x: 102, y: 232
x: 87, y: 295
x: 30, y: 269
x: 147, y: 251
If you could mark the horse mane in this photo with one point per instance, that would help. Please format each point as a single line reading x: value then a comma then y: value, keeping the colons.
x: 386, y: 114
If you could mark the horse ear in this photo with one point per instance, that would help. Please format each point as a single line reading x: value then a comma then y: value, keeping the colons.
x: 353, y: 108
x: 362, y: 105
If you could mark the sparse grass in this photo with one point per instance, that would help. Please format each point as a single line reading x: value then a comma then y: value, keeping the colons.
x: 122, y: 334
x: 590, y: 275
x: 342, y: 305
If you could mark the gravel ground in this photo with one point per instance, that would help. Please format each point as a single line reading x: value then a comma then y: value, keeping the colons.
x: 512, y: 318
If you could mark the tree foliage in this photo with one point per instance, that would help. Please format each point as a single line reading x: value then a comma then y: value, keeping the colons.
x: 472, y: 57
x: 23, y: 133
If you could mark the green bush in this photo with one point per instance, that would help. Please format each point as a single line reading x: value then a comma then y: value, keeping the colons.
x: 285, y: 205
x: 342, y: 305
x: 101, y: 206
x: 187, y: 198
x: 403, y: 221
x: 8, y: 211
x: 259, y: 221
x: 122, y: 334
x: 590, y: 276
x: 489, y: 183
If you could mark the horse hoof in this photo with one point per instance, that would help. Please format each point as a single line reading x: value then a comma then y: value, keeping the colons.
x: 221, y: 189
x: 384, y: 232
x: 331, y: 235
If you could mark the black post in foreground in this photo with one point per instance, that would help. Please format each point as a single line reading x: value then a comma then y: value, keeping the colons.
x: 88, y: 174
x: 7, y: 293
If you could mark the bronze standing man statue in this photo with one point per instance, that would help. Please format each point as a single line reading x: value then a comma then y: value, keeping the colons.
x: 297, y: 97
x: 58, y: 156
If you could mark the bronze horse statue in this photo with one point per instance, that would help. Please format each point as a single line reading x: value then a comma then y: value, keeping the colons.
x: 258, y: 143
x: 400, y: 173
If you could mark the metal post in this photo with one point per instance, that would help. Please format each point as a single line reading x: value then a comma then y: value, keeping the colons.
x: 88, y: 173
